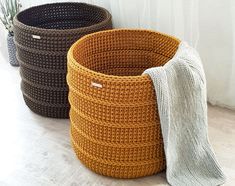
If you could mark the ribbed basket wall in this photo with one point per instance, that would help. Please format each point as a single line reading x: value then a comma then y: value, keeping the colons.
x: 115, y: 127
x: 43, y: 35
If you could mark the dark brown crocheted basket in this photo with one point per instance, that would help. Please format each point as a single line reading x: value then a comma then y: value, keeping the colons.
x: 43, y: 35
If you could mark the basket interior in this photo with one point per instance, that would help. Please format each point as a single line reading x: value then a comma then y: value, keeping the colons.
x: 124, y: 52
x: 62, y: 16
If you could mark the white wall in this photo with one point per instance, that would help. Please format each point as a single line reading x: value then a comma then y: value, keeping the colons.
x: 216, y: 47
x: 3, y: 43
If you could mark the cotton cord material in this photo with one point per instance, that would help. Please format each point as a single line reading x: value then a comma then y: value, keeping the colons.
x: 180, y: 88
x: 115, y: 125
x: 43, y: 35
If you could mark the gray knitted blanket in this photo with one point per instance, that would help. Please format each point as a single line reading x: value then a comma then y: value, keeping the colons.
x: 180, y: 88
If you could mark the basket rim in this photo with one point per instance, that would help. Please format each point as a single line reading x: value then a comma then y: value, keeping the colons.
x: 143, y: 77
x: 49, y: 31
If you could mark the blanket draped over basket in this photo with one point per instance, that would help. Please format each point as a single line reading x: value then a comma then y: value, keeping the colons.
x: 43, y: 35
x: 115, y: 125
x: 180, y: 88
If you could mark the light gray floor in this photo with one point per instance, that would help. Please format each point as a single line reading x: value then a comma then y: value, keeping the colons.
x: 36, y: 151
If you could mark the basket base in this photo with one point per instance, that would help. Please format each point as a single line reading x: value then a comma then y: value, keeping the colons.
x: 52, y: 112
x: 117, y: 171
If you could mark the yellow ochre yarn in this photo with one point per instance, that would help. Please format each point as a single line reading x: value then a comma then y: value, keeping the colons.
x: 115, y: 127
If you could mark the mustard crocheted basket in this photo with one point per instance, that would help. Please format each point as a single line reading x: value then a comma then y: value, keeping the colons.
x: 115, y: 127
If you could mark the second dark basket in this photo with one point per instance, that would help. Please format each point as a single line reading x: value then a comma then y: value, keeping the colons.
x: 43, y: 35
